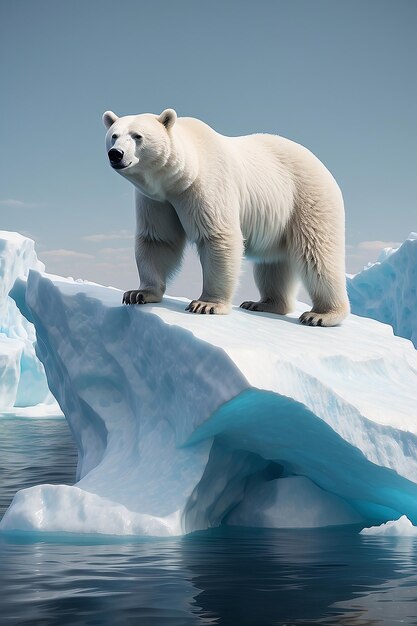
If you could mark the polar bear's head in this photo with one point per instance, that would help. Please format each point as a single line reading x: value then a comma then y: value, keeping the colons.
x: 138, y: 142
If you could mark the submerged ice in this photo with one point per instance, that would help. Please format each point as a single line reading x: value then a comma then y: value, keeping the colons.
x: 185, y: 422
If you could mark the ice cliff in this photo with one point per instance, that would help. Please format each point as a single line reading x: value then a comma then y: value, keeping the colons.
x: 184, y: 422
x: 22, y: 377
x: 387, y: 289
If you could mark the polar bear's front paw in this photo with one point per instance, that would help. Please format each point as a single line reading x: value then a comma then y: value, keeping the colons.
x: 267, y: 306
x: 139, y: 296
x: 208, y: 308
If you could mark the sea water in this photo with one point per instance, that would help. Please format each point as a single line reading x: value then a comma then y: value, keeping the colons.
x: 226, y: 576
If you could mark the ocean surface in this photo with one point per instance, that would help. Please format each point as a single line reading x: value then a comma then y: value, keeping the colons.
x: 225, y: 576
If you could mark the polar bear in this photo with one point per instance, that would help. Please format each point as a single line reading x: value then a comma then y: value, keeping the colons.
x: 260, y: 195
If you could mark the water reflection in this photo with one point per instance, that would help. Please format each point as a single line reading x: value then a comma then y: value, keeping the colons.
x: 304, y: 577
x: 223, y: 577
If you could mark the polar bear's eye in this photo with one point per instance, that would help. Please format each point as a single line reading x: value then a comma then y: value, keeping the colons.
x: 114, y: 136
x: 137, y: 137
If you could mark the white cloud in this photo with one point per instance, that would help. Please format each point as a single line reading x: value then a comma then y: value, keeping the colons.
x: 377, y: 245
x: 65, y: 254
x: 19, y: 204
x: 117, y: 251
x: 120, y: 234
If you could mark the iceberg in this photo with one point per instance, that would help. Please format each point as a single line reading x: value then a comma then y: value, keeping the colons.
x: 185, y: 422
x: 401, y: 527
x: 387, y: 290
x: 23, y: 385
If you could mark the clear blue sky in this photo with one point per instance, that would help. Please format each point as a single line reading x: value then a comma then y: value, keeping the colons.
x: 338, y: 76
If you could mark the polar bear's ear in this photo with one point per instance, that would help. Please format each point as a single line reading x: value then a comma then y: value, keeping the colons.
x: 168, y: 118
x: 109, y: 118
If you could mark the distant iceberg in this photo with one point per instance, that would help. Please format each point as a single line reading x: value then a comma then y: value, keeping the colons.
x: 23, y: 387
x: 387, y: 290
x: 185, y: 422
x: 401, y: 527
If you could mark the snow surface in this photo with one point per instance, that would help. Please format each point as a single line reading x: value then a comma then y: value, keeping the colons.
x: 23, y: 383
x: 387, y: 289
x: 185, y: 422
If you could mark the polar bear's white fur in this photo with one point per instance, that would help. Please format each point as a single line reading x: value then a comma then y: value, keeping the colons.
x: 261, y: 195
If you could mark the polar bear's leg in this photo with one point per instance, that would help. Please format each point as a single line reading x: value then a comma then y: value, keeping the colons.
x: 157, y: 261
x: 325, y: 282
x: 277, y: 284
x: 220, y: 261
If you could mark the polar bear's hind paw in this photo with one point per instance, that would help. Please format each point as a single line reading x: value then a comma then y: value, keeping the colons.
x: 331, y: 318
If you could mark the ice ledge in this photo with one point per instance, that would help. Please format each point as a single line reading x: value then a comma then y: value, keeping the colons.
x: 185, y: 421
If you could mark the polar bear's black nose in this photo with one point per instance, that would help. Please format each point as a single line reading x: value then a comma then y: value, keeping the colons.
x: 115, y: 156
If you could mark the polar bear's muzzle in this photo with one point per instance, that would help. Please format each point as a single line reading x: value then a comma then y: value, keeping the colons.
x: 116, y: 158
